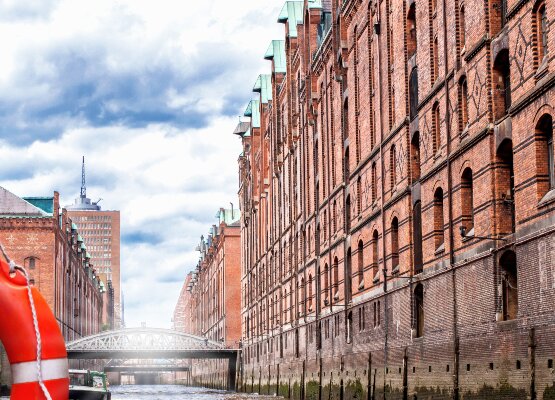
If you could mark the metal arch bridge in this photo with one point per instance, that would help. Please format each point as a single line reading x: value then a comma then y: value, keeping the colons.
x: 147, y: 343
x: 151, y: 343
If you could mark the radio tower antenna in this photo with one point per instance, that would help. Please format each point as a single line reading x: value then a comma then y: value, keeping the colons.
x: 83, y: 185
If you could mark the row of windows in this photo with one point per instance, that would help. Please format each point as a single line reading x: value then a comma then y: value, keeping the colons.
x: 91, y: 218
x: 330, y: 292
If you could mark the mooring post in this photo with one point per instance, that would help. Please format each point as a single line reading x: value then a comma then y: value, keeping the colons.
x: 405, y: 376
x: 369, y: 385
x: 532, y: 359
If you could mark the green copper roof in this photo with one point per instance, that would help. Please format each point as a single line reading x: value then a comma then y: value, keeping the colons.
x: 79, y: 238
x: 253, y: 111
x: 276, y: 52
x: 229, y: 216
x: 83, y: 247
x: 263, y: 86
x: 292, y: 11
x: 46, y: 204
x: 73, y: 226
x: 314, y: 4
x: 88, y: 255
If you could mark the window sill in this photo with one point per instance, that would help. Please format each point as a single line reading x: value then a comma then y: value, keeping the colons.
x: 542, y: 70
x: 376, y: 280
x: 469, y: 235
x: 547, y: 199
x: 464, y: 133
x: 440, y: 249
x: 395, y: 270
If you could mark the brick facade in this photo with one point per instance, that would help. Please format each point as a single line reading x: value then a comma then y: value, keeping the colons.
x: 210, y: 300
x: 397, y: 189
x: 49, y: 246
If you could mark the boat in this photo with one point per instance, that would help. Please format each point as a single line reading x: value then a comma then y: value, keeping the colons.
x: 88, y: 385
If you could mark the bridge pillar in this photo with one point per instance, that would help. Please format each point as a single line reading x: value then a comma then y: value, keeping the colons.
x: 114, y: 378
x: 232, y: 373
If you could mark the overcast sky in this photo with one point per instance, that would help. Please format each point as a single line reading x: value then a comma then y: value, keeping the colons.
x: 149, y: 91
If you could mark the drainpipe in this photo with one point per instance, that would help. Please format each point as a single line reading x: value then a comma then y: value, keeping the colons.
x: 451, y: 230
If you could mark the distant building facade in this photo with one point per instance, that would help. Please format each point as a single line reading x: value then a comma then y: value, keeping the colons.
x: 209, y: 303
x: 397, y: 189
x: 101, y: 234
x: 182, y: 320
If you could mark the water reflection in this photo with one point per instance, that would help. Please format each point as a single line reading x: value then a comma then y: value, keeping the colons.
x: 170, y: 392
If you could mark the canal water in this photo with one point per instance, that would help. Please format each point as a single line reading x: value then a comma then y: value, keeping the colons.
x: 170, y: 392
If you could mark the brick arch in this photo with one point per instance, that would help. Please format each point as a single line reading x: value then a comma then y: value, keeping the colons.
x: 544, y: 109
x: 466, y: 164
x: 394, y: 215
x: 360, y: 237
x: 439, y: 184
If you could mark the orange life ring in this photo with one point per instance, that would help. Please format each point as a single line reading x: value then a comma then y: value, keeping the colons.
x: 17, y: 333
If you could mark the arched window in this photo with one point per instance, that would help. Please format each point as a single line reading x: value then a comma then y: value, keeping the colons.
x: 411, y: 30
x: 359, y: 195
x: 506, y: 179
x: 540, y: 28
x: 326, y: 283
x: 360, y: 266
x: 335, y: 279
x: 413, y: 93
x: 438, y: 218
x: 394, y: 244
x: 545, y: 160
x: 349, y: 332
x: 347, y: 165
x: 334, y: 216
x: 436, y: 128
x: 509, y: 283
x: 463, y: 104
x: 30, y: 263
x: 462, y: 28
x: 415, y: 157
x: 346, y: 118
x: 419, y: 310
x: 393, y: 166
x: 303, y: 299
x: 467, y: 201
x: 285, y: 298
x: 348, y: 214
x: 348, y: 276
x: 417, y: 236
x: 502, y: 84
x: 435, y: 61
x: 310, y: 292
x: 374, y: 183
x: 375, y: 255
x: 291, y: 303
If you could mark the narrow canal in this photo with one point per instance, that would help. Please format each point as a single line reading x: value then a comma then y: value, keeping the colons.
x: 170, y: 392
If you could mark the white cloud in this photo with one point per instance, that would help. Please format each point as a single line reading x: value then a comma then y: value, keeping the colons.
x: 191, y: 61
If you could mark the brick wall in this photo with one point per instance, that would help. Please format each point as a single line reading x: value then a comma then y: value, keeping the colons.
x: 472, y: 321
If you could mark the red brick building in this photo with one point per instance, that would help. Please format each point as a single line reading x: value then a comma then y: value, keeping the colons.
x: 36, y: 235
x: 46, y: 242
x: 397, y: 189
x: 209, y: 302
